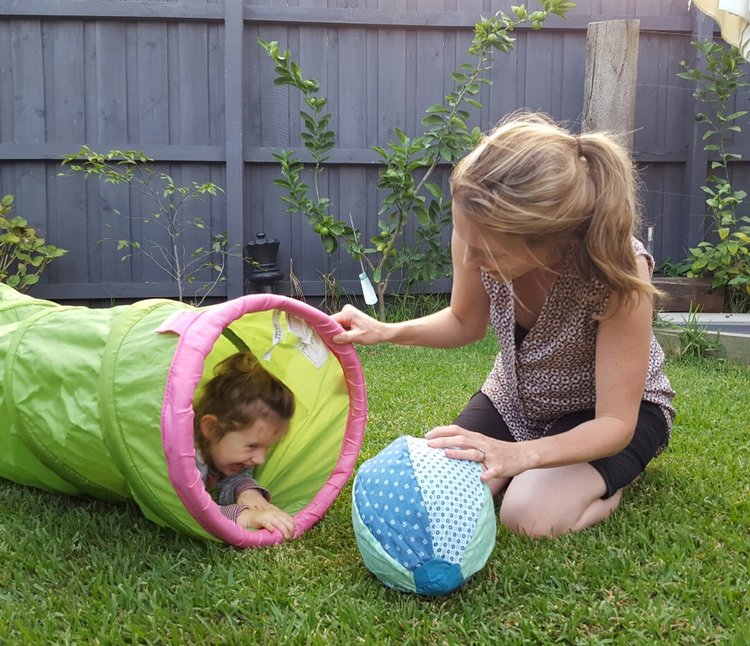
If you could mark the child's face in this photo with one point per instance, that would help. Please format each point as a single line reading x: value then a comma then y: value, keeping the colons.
x: 246, y: 447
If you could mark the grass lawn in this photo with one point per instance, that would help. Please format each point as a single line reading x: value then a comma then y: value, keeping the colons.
x: 671, y: 566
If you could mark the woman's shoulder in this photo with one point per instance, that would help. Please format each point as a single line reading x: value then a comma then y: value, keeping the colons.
x: 639, y: 249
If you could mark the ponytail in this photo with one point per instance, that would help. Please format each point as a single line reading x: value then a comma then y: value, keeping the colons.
x: 605, y: 250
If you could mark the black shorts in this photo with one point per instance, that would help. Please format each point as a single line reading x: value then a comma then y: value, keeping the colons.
x: 481, y: 416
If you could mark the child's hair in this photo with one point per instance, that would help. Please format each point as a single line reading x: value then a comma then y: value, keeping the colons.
x: 533, y: 179
x: 240, y: 392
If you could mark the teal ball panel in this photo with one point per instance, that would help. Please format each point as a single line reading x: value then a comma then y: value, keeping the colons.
x: 438, y: 577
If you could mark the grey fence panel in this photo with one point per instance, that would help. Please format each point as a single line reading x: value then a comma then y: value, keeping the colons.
x: 187, y: 82
x: 108, y: 83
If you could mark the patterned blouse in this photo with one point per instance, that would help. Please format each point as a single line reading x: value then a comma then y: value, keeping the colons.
x: 552, y: 371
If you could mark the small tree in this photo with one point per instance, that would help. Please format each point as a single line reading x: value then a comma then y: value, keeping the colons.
x: 726, y: 260
x: 24, y: 255
x: 170, y: 201
x: 408, y: 162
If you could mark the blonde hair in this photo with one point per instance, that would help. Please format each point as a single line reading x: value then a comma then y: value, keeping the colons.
x: 240, y: 392
x: 533, y: 179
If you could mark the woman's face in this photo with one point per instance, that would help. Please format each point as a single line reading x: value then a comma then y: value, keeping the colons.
x: 504, y: 257
x: 248, y: 446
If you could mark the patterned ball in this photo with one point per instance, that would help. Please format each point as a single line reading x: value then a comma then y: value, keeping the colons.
x: 423, y: 522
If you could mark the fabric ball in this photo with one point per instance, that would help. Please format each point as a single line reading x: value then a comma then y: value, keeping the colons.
x: 424, y: 522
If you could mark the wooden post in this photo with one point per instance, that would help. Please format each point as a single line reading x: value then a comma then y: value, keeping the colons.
x: 611, y: 72
x: 234, y: 26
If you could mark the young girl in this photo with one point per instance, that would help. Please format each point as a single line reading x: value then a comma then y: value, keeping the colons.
x: 242, y: 412
x: 543, y: 248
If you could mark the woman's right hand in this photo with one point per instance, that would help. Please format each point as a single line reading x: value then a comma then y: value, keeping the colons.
x: 358, y: 326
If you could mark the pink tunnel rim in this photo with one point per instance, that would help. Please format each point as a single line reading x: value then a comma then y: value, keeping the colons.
x: 199, y: 330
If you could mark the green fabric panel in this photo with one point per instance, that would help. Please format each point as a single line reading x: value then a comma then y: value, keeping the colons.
x: 377, y: 560
x: 17, y: 462
x: 133, y: 377
x: 480, y: 547
x: 297, y: 468
x: 52, y: 381
x: 15, y: 307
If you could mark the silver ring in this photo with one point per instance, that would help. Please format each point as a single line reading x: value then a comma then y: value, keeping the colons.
x: 484, y: 455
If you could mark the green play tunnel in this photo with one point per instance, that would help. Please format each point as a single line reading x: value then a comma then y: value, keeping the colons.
x: 98, y: 402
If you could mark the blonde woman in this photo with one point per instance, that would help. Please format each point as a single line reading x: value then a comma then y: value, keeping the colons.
x: 544, y: 249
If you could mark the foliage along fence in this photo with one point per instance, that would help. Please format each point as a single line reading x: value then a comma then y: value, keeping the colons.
x: 187, y: 83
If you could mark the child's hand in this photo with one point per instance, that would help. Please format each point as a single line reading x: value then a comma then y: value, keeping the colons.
x: 253, y: 499
x: 269, y: 518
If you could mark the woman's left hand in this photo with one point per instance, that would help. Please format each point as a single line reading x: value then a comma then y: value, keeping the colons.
x: 499, y: 459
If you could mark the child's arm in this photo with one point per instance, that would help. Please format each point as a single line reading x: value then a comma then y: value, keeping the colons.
x: 246, y: 503
x: 271, y: 518
x: 253, y: 498
x: 232, y: 488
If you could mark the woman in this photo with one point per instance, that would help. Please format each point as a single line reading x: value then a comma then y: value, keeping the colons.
x: 543, y: 248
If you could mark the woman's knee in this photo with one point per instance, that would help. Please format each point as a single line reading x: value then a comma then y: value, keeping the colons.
x: 550, y: 502
x: 523, y: 514
x: 524, y: 521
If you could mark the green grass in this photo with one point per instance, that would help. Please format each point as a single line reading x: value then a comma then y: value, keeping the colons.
x: 671, y: 566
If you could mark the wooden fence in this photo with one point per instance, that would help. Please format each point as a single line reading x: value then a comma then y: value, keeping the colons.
x: 187, y: 83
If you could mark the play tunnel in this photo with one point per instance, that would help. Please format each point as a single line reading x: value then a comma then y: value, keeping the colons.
x: 98, y: 402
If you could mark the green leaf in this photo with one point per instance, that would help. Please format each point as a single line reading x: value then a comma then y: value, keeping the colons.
x: 735, y: 115
x: 433, y: 120
x: 435, y: 190
x: 422, y: 215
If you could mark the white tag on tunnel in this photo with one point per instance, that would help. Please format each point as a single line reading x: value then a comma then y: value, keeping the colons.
x: 278, y: 334
x: 299, y: 327
x: 314, y: 349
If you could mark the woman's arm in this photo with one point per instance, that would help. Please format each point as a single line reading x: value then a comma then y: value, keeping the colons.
x: 622, y: 354
x: 465, y: 321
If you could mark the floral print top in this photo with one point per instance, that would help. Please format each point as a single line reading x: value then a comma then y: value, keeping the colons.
x: 552, y: 371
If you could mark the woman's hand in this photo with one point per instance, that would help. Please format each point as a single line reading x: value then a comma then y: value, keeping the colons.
x: 270, y: 518
x: 499, y: 459
x: 360, y: 328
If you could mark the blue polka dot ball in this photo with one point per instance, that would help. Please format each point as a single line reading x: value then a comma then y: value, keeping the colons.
x: 424, y: 523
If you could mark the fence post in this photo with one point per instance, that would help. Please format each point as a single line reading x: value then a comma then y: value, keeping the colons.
x: 234, y: 28
x: 611, y: 72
